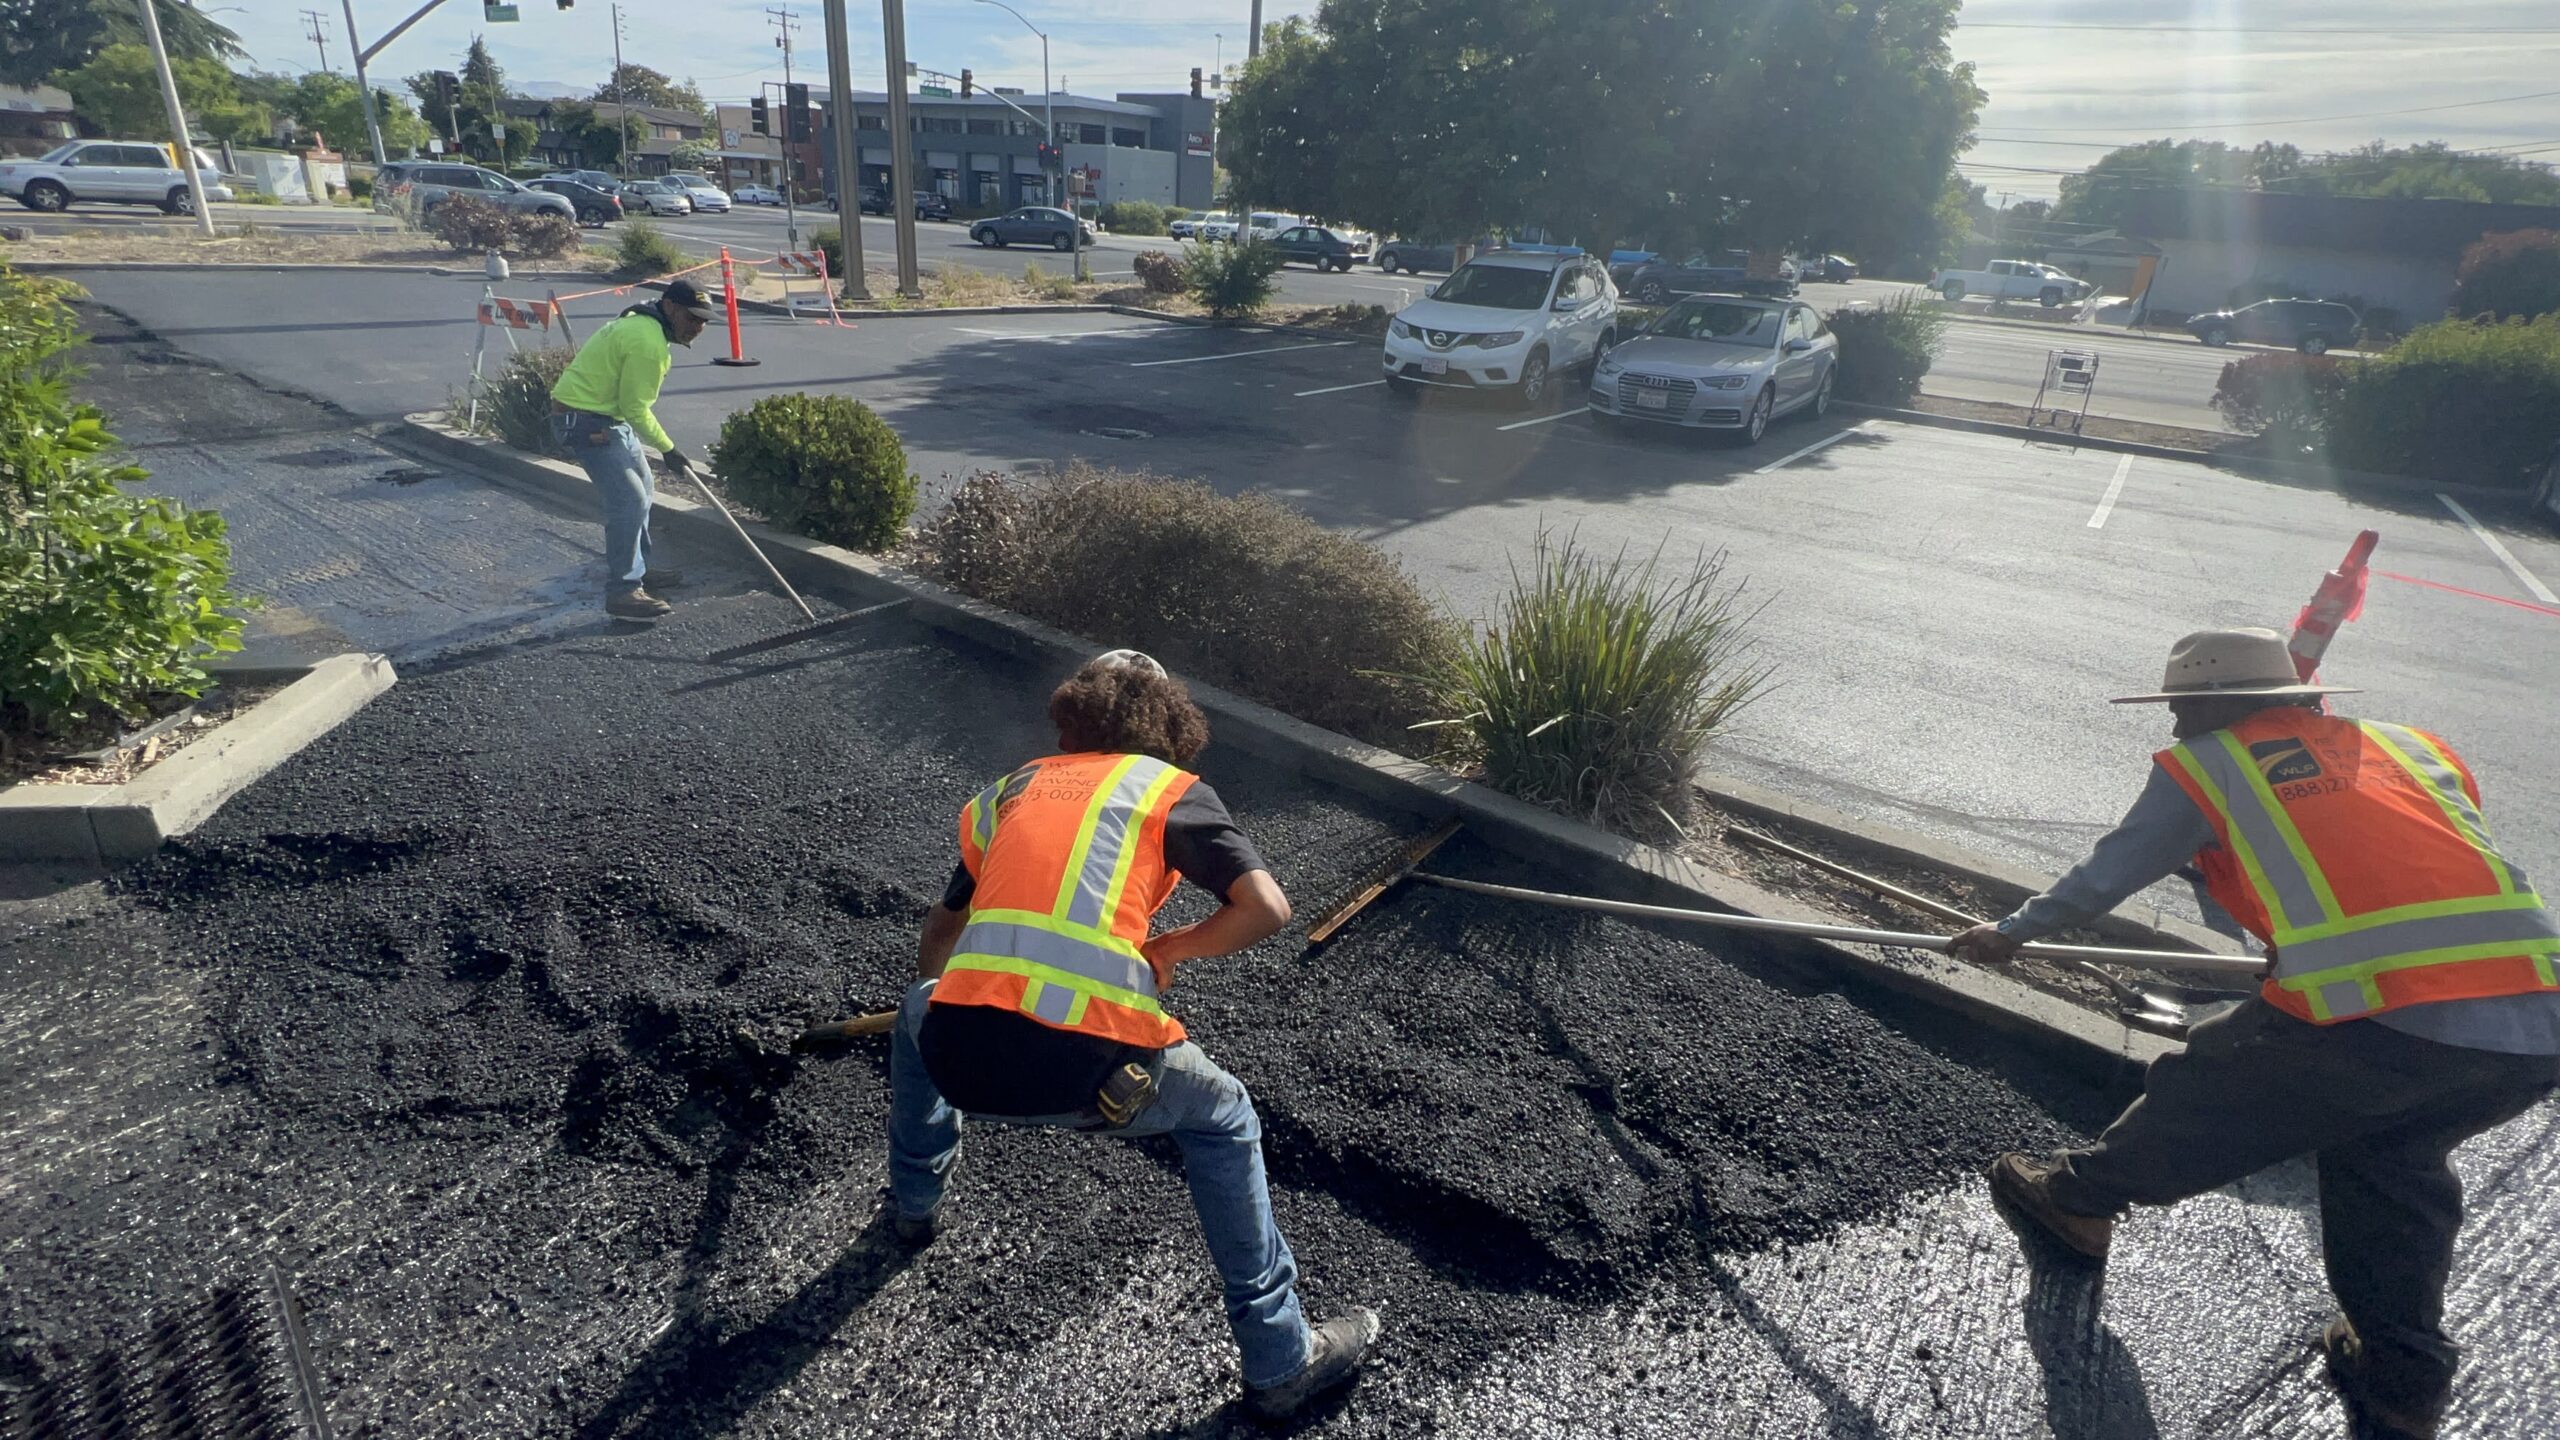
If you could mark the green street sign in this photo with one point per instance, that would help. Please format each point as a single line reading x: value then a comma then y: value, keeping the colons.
x: 939, y: 92
x: 497, y: 14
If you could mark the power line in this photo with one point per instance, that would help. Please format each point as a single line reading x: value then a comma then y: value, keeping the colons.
x: 2271, y: 124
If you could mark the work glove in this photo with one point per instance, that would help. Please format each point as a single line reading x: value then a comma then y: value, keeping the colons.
x: 679, y: 463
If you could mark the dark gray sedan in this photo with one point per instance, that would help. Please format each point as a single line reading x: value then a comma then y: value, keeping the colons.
x: 1032, y: 225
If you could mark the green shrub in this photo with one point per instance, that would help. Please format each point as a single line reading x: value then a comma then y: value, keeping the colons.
x: 543, y: 235
x: 2280, y: 393
x: 1044, y: 286
x: 820, y: 465
x: 360, y: 187
x: 2512, y: 274
x: 516, y: 406
x: 1159, y: 272
x: 1232, y: 282
x: 1135, y: 217
x: 1886, y: 350
x: 107, y: 598
x: 830, y: 243
x: 467, y: 222
x: 1597, y: 686
x: 643, y: 250
x: 1239, y: 592
x: 2455, y: 401
x: 258, y: 197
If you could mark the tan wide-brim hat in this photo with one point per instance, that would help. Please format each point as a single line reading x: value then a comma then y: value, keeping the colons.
x: 2230, y: 662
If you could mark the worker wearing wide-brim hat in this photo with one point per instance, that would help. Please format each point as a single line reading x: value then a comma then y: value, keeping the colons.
x: 2411, y: 1001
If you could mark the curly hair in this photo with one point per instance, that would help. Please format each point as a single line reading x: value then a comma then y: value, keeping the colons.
x: 1117, y: 709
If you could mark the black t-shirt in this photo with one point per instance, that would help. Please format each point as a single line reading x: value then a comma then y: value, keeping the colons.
x: 1001, y: 1062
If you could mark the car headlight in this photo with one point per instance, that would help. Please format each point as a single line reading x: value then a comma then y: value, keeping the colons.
x: 1607, y: 367
x: 1399, y: 329
x: 1498, y: 341
x: 1725, y: 382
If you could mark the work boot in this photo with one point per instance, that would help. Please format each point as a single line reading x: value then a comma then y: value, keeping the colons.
x: 916, y: 1232
x: 2370, y: 1417
x: 2023, y: 1184
x: 635, y: 604
x: 1339, y: 1345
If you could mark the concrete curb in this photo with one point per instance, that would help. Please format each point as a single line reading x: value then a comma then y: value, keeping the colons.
x: 99, y: 823
x: 340, y: 266
x: 2090, y: 1043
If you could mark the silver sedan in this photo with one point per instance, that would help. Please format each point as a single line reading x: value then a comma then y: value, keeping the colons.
x: 1719, y: 362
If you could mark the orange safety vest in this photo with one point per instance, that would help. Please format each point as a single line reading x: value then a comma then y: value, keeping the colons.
x: 1068, y: 853
x: 2357, y: 852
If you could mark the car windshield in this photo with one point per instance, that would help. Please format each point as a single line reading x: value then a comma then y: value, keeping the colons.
x: 59, y: 153
x: 1720, y: 322
x: 1496, y: 287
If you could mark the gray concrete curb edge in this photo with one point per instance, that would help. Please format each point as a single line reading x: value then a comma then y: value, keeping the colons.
x: 2092, y: 1044
x: 100, y: 823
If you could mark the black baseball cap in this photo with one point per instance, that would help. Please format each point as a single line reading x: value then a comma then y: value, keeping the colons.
x: 682, y: 295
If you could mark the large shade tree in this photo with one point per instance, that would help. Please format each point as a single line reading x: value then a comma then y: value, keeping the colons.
x: 118, y: 91
x: 40, y: 39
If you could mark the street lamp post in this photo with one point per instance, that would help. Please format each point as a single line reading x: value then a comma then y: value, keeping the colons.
x: 177, y: 120
x: 1049, y: 106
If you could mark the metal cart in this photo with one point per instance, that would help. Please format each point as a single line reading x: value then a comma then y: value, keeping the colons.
x: 2068, y: 374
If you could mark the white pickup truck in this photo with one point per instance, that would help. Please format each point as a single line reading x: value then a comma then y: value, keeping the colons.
x: 2012, y: 280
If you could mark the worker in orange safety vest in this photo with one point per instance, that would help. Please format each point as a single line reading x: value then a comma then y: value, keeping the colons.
x: 2411, y: 1001
x: 1039, y: 997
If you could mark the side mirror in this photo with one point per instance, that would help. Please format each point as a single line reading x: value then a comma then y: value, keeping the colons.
x: 1799, y: 345
x: 1434, y: 291
x: 1567, y: 302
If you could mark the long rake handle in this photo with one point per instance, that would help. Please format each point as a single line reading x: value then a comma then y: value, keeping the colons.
x: 702, y: 481
x: 2140, y: 959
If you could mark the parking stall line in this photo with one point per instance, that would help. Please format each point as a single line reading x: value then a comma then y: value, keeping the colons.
x: 1338, y: 389
x: 1546, y: 419
x: 1241, y: 354
x: 1060, y: 335
x: 2498, y: 548
x: 1783, y: 461
x: 2115, y: 487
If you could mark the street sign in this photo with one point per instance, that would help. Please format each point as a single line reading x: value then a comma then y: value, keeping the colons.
x: 497, y: 14
x: 939, y: 92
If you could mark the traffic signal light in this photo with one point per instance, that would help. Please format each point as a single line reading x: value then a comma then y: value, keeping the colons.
x: 968, y: 85
x: 448, y: 88
x: 795, y: 101
x: 568, y: 4
x: 1195, y: 82
x: 760, y: 116
x: 1050, y: 159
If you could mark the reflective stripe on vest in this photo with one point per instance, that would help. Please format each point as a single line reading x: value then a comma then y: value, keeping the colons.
x: 2332, y: 960
x: 1071, y: 957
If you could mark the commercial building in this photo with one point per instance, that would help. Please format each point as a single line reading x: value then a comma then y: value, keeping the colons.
x: 983, y: 154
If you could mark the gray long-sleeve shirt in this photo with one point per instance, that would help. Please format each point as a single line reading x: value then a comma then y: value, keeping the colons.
x: 2164, y: 829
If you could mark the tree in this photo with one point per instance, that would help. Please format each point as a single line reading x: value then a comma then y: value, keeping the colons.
x: 332, y: 106
x: 40, y: 39
x: 2108, y: 192
x: 2510, y: 275
x: 1830, y: 126
x: 694, y: 154
x: 599, y: 141
x: 640, y: 85
x: 119, y: 92
x: 483, y: 90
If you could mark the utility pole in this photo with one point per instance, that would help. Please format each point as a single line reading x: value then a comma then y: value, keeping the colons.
x: 902, y: 144
x: 177, y: 119
x: 848, y: 155
x: 319, y: 36
x: 622, y: 161
x: 1049, y: 107
x: 783, y: 22
x: 1235, y: 190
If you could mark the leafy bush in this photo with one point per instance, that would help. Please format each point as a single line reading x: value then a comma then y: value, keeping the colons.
x: 2455, y: 401
x: 1599, y: 684
x: 544, y: 235
x: 2513, y: 274
x: 2280, y: 393
x: 1233, y: 282
x: 830, y: 243
x: 1135, y: 217
x: 1885, y: 351
x: 258, y: 197
x: 360, y: 187
x: 109, y: 598
x: 467, y: 222
x: 644, y: 250
x: 1159, y: 272
x: 516, y: 406
x: 821, y: 465
x: 1041, y: 285
x: 1240, y: 591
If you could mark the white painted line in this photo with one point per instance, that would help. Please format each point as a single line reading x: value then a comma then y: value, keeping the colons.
x: 2115, y: 487
x: 2505, y: 556
x: 1783, y: 461
x: 1338, y: 389
x: 1545, y: 419
x: 1053, y: 335
x: 1242, y: 354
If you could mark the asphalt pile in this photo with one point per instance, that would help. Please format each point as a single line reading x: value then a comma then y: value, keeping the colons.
x: 501, y: 979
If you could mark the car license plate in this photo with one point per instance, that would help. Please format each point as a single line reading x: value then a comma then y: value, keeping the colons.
x: 1435, y: 367
x: 1652, y: 400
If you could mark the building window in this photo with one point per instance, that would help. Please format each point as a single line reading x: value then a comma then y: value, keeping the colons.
x: 1090, y: 135
x: 938, y: 124
x: 869, y: 122
x: 1129, y: 139
x: 986, y: 127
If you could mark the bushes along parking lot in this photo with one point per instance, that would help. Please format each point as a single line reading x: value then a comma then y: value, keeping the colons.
x: 2455, y: 401
x: 2280, y: 393
x: 1136, y: 217
x: 644, y: 250
x: 823, y: 466
x: 1160, y: 273
x: 2512, y: 274
x: 516, y: 406
x: 467, y: 222
x: 1231, y: 281
x: 1886, y: 350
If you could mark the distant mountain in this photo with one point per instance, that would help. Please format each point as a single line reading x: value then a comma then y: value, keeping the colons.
x: 552, y: 90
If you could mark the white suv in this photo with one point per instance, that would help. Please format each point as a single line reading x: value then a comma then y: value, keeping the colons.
x: 117, y: 172
x: 1505, y: 321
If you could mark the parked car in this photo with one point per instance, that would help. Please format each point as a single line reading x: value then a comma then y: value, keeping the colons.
x: 595, y: 207
x: 874, y: 200
x: 2310, y: 326
x: 1416, y: 256
x: 1217, y: 225
x: 110, y: 172
x: 1504, y: 322
x: 1187, y: 225
x: 422, y: 185
x: 1719, y: 363
x: 609, y: 184
x: 1267, y: 223
x: 1322, y: 246
x: 2012, y: 280
x: 1728, y: 272
x: 658, y: 197
x: 1830, y: 269
x: 756, y: 195
x: 1032, y: 225
x: 706, y: 197
x: 932, y: 206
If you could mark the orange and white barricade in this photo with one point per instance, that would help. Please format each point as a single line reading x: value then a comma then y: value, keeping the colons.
x: 507, y: 317
x: 807, y: 265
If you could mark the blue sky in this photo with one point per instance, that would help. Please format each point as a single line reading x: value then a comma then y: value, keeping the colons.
x: 2316, y: 72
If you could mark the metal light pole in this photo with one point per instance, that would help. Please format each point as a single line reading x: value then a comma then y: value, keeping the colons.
x: 790, y: 129
x: 622, y: 99
x: 902, y: 159
x: 848, y: 157
x: 363, y: 53
x: 177, y: 119
x: 1049, y: 107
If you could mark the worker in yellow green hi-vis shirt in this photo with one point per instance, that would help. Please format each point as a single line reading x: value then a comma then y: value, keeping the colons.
x: 602, y: 410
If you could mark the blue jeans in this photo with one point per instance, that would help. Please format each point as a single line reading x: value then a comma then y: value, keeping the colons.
x: 612, y: 457
x: 1208, y: 1114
